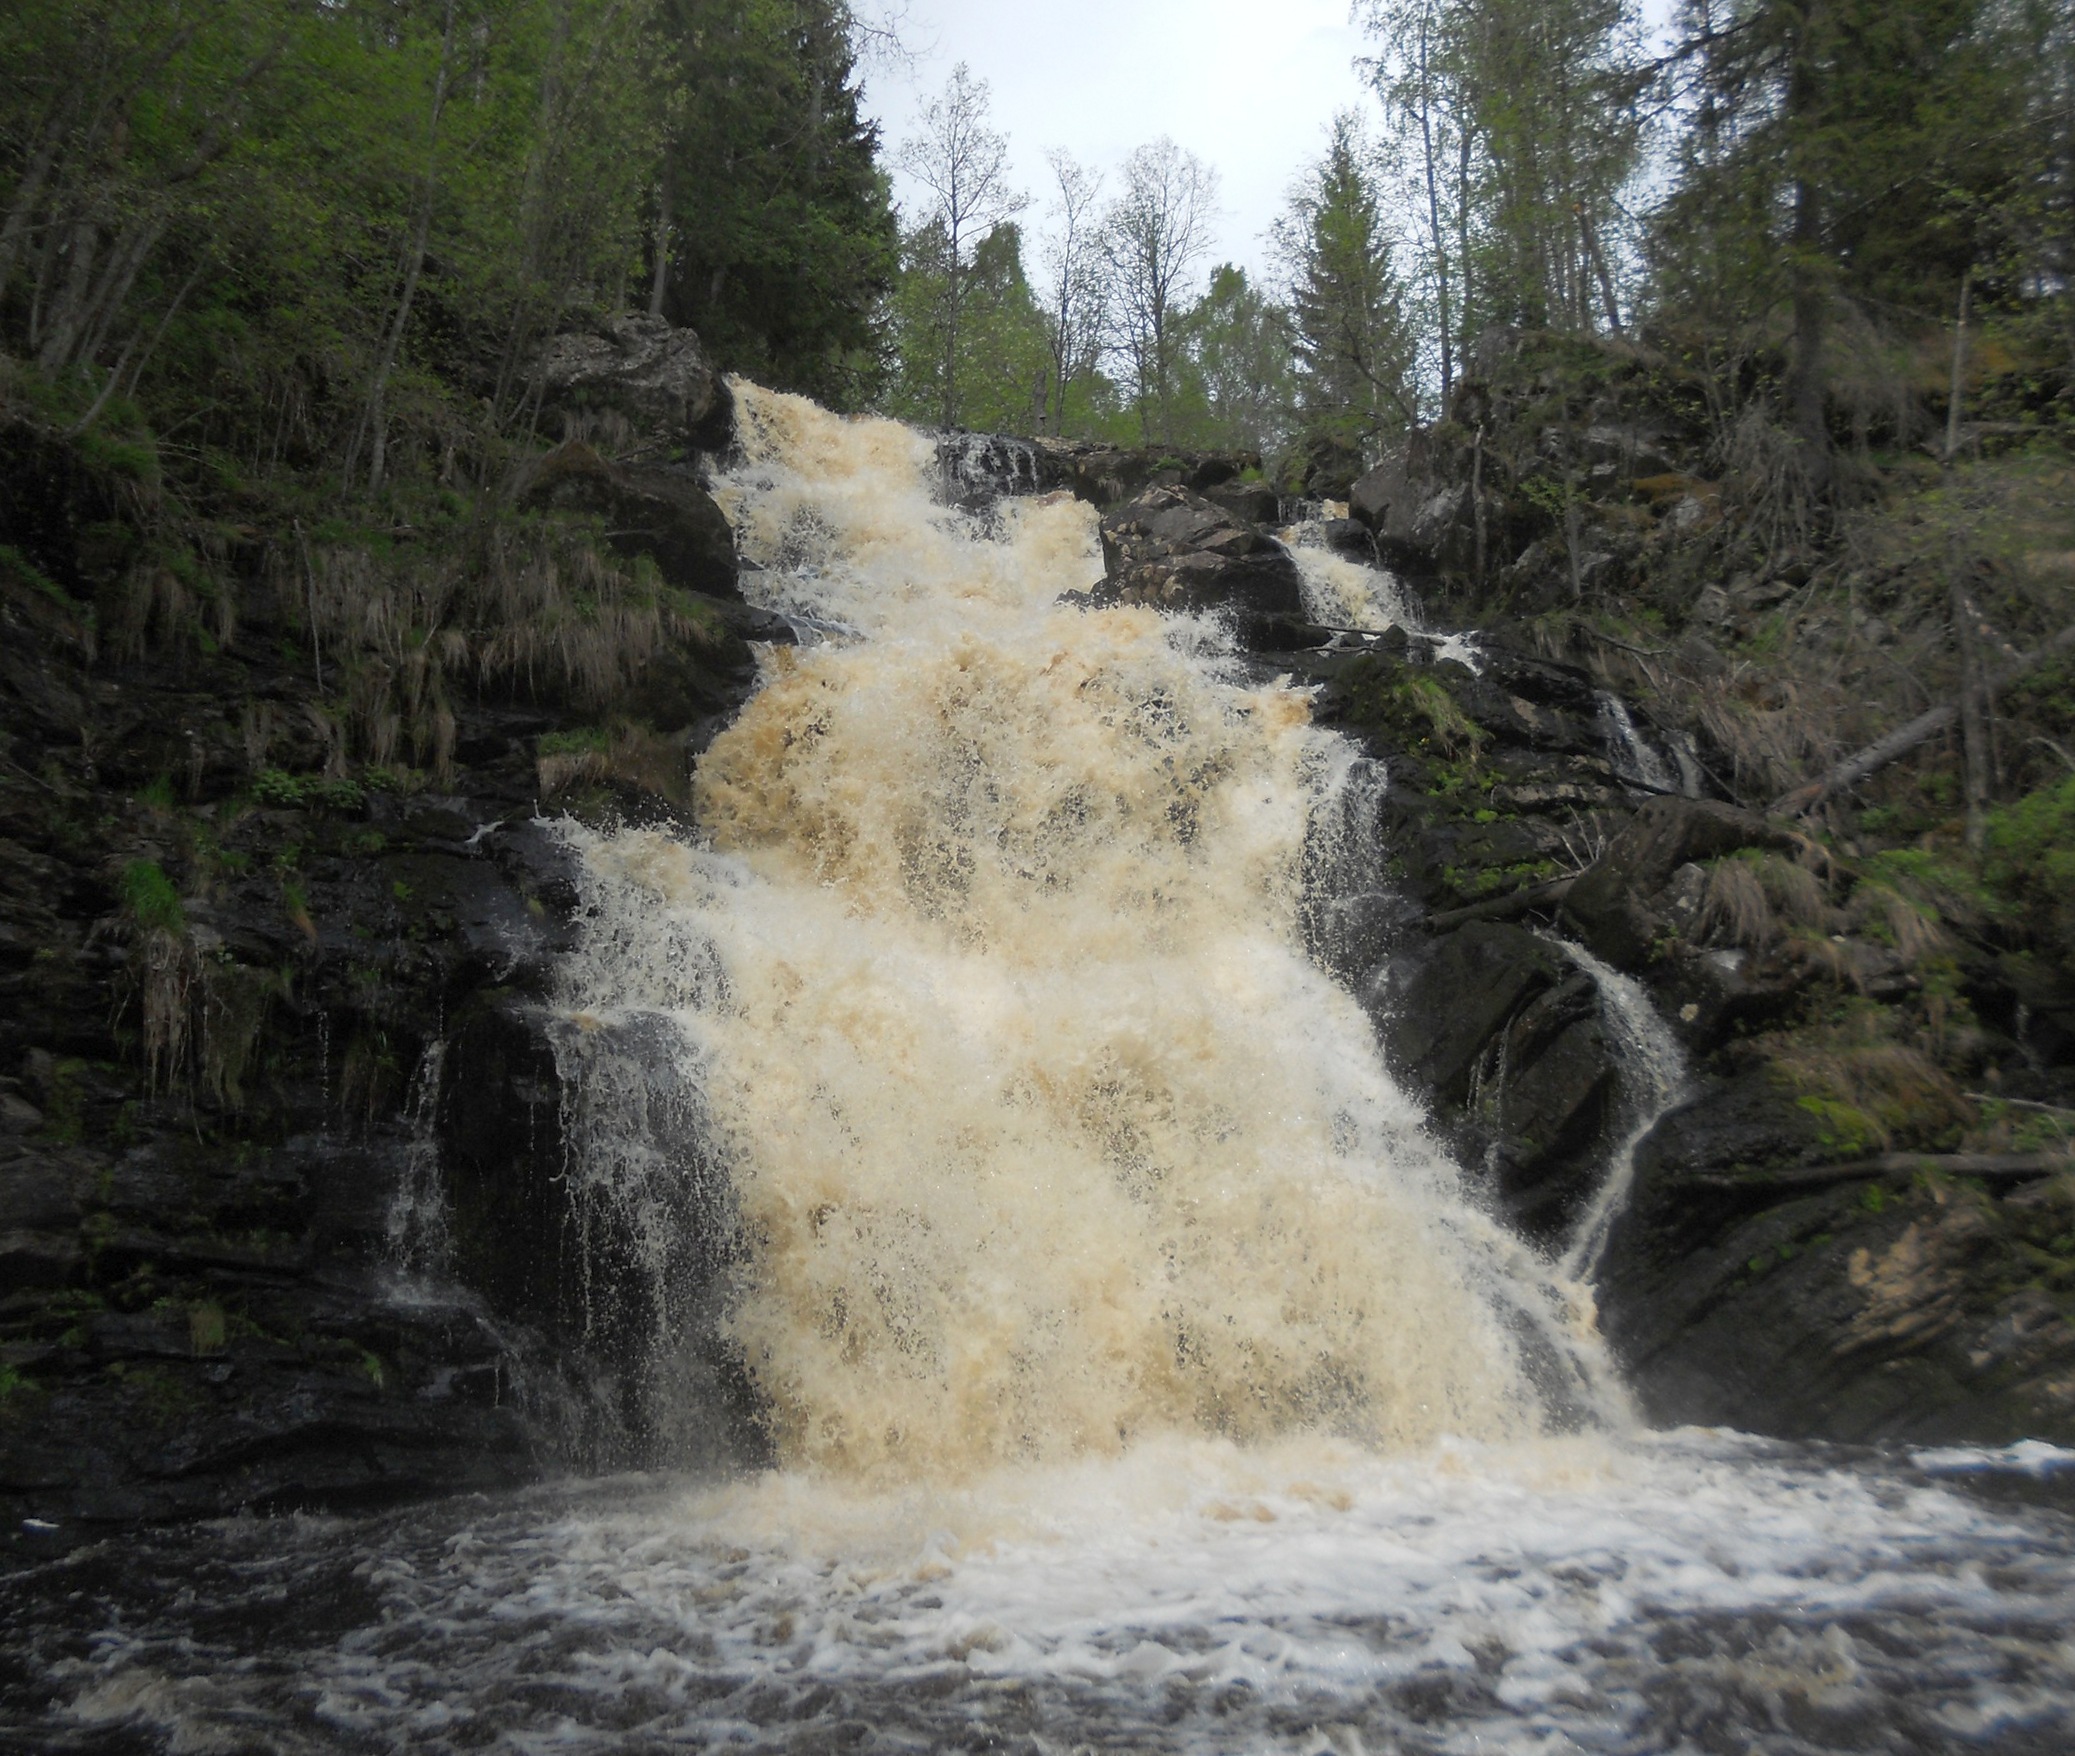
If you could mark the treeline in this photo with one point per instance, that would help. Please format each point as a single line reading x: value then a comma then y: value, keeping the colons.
x: 1802, y: 197
x: 1121, y: 326
x: 328, y: 236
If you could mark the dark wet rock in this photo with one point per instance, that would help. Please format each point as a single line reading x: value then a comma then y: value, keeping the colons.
x: 1349, y: 537
x: 1107, y: 476
x: 1172, y: 549
x: 204, y: 1299
x: 1418, y: 517
x: 634, y: 376
x: 1620, y: 907
x: 655, y: 510
x: 976, y: 470
x: 1325, y: 469
x: 1254, y: 502
x: 1741, y: 1288
x: 1495, y: 1028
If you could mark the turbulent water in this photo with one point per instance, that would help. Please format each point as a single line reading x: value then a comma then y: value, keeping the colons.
x: 1137, y: 1373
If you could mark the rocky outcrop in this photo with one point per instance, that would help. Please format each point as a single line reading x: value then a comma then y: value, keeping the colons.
x: 1419, y: 522
x: 277, y: 1077
x: 1106, y: 476
x: 1625, y: 908
x: 1500, y: 1035
x: 634, y: 378
x: 1173, y: 549
x: 652, y: 510
x: 1752, y: 1283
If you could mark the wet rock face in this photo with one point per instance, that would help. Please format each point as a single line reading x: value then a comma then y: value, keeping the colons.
x: 1496, y: 1030
x: 1624, y: 906
x: 634, y: 377
x: 328, y: 993
x: 659, y: 511
x: 1172, y: 549
x: 1106, y: 476
x: 1748, y: 1286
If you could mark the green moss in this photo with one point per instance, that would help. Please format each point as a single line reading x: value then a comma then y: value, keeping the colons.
x: 585, y: 741
x: 129, y: 459
x: 18, y: 567
x: 1847, y: 1131
x: 150, y: 899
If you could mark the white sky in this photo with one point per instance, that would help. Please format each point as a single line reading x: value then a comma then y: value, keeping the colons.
x: 1249, y: 86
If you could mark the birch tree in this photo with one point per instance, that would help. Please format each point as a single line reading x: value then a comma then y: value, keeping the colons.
x: 961, y: 165
x: 1075, y: 287
x: 1156, y: 235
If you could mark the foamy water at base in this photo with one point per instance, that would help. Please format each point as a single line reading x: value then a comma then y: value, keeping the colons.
x: 1686, y: 1592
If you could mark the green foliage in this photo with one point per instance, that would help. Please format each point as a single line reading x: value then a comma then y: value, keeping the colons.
x: 308, y: 792
x: 151, y: 900
x: 987, y: 361
x: 584, y: 741
x: 18, y: 567
x: 782, y: 236
x: 1356, y: 353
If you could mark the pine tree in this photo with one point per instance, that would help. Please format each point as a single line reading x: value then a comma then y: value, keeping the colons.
x: 780, y: 240
x: 1356, y: 355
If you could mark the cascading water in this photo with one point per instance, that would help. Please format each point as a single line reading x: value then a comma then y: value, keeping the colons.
x: 1139, y: 1376
x: 1043, y: 1133
x: 1654, y: 1079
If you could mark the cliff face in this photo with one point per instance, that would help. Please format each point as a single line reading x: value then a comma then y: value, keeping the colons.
x: 279, y: 1116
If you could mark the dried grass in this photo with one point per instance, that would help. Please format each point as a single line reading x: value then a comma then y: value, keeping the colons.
x: 1759, y: 901
x: 541, y: 610
x: 1882, y: 1093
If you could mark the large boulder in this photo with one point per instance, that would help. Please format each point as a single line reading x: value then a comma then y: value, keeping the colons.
x: 1620, y: 907
x: 649, y: 509
x: 1749, y: 1284
x: 1173, y: 549
x: 637, y: 376
x: 1501, y: 1035
x: 1417, y: 518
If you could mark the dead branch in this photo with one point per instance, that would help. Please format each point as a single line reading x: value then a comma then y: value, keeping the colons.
x: 1898, y: 743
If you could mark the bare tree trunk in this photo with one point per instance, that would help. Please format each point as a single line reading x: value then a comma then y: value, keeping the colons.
x: 1477, y: 498
x: 83, y: 250
x: 375, y: 422
x: 1600, y: 271
x: 30, y: 190
x: 1435, y: 228
x: 1974, y: 721
x: 1805, y: 402
x: 1959, y: 381
x: 659, y: 282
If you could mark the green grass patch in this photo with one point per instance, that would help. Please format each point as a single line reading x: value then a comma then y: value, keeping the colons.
x: 150, y: 899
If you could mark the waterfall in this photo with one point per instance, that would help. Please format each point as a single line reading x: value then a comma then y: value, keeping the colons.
x: 1653, y: 1080
x: 419, y: 1226
x: 1631, y: 756
x: 986, y: 981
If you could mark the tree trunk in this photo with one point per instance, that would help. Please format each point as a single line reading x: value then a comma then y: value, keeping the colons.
x: 30, y: 190
x: 1435, y: 229
x: 659, y: 281
x: 1868, y: 762
x: 1974, y: 719
x: 376, y: 421
x: 1811, y: 300
x: 1959, y: 380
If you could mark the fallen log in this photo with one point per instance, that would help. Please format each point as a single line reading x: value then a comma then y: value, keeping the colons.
x: 1990, y: 1167
x: 1898, y: 743
x: 1502, y: 908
